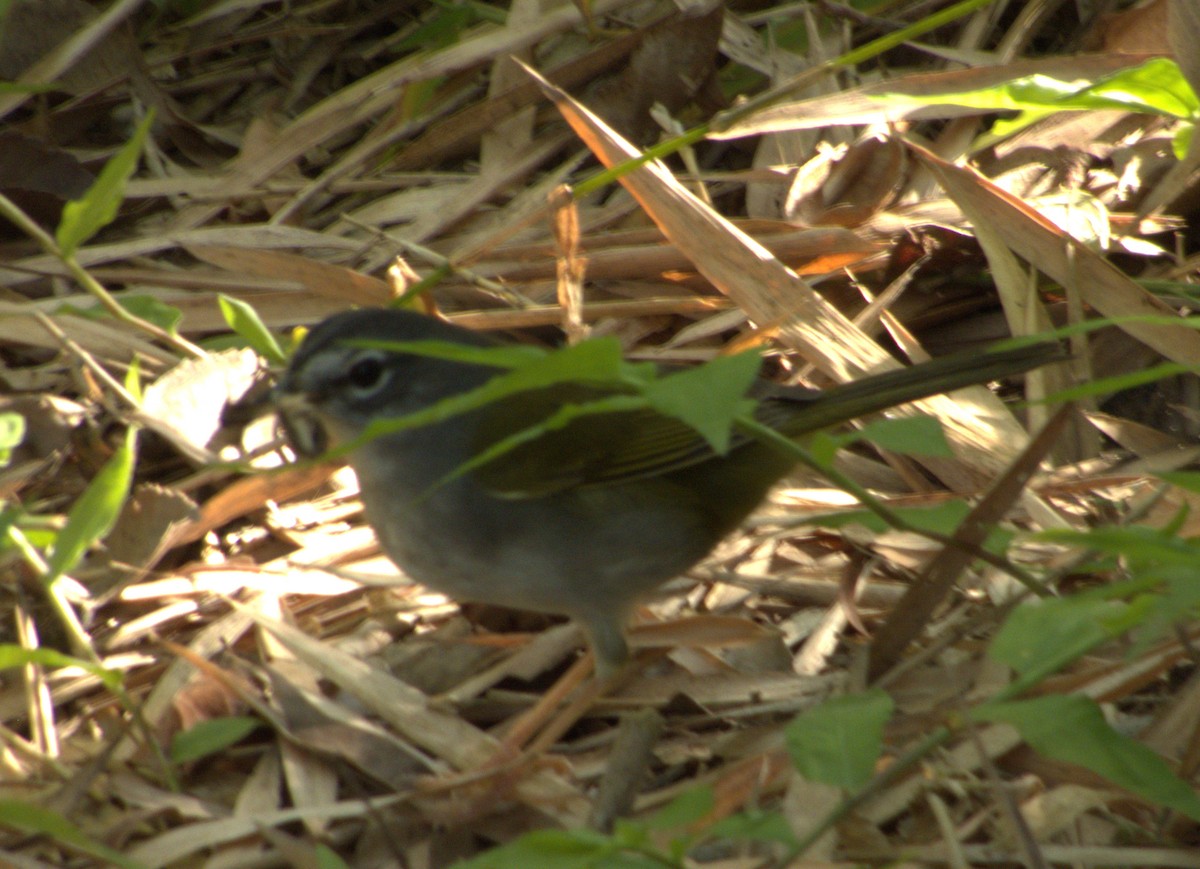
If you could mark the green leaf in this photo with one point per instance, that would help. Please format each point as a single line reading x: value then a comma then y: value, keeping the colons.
x: 244, y: 320
x: 1157, y: 87
x: 34, y: 820
x: 1181, y: 142
x: 753, y: 827
x: 93, y: 514
x: 597, y: 361
x: 558, y: 420
x: 12, y: 656
x: 328, y: 859
x: 1144, y: 545
x: 1108, y: 385
x: 920, y: 435
x: 211, y: 737
x: 166, y: 317
x: 909, y: 435
x: 1189, y: 480
x: 686, y: 809
x: 12, y: 432
x: 501, y: 356
x: 708, y: 397
x: 1042, y: 637
x: 82, y: 218
x: 1073, y: 729
x: 152, y: 310
x: 839, y: 742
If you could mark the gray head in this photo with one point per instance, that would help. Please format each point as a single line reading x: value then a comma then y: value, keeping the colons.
x: 333, y: 388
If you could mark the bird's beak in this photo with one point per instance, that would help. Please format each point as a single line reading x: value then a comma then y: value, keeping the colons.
x: 301, y: 422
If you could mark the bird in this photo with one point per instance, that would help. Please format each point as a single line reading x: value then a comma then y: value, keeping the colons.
x: 581, y: 519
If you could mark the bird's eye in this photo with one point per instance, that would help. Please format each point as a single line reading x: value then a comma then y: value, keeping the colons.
x: 366, y: 373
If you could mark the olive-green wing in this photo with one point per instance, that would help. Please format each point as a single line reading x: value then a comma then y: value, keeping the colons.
x: 589, y: 449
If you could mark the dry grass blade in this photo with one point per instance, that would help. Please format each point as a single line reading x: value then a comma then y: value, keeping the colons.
x: 911, y: 615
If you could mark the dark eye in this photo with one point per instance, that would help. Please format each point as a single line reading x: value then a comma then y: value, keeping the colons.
x: 366, y: 373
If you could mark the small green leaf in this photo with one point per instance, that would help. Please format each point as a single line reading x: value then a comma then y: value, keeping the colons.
x: 211, y: 737
x: 1072, y: 728
x: 328, y: 859
x: 708, y: 397
x: 839, y: 742
x: 93, y: 514
x: 84, y: 217
x: 133, y: 379
x: 1181, y: 142
x: 753, y: 827
x: 152, y: 310
x: 34, y: 820
x: 244, y: 320
x: 909, y: 435
x: 12, y: 656
x: 12, y: 432
x: 687, y: 808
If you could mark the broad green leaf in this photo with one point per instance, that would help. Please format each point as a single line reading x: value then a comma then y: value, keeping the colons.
x: 920, y: 435
x: 1072, y: 728
x: 93, y: 514
x: 839, y: 742
x: 82, y: 218
x: 909, y: 435
x: 12, y: 432
x: 244, y: 320
x: 211, y: 737
x: 12, y: 656
x: 687, y: 808
x: 33, y: 820
x: 1157, y: 87
x: 1042, y: 637
x: 709, y: 397
x: 1138, y: 542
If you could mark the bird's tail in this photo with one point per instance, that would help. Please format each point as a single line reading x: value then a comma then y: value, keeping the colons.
x: 878, y: 392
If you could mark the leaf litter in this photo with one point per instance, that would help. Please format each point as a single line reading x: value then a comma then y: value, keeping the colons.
x: 299, y: 150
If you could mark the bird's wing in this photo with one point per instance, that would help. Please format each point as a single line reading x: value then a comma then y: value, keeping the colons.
x: 543, y: 453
